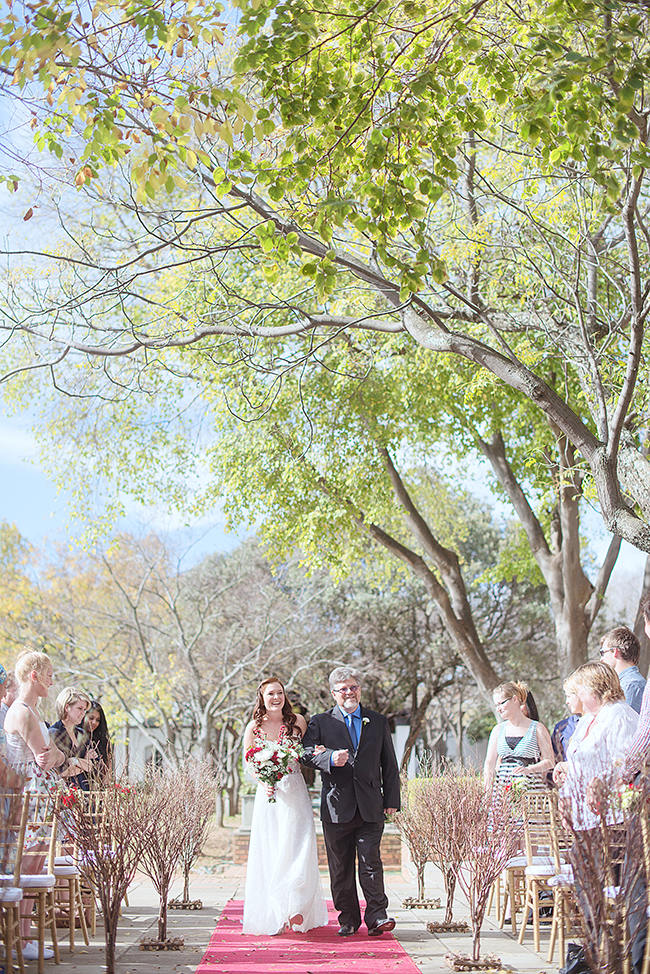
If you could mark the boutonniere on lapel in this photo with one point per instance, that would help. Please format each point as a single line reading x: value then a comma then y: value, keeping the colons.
x: 366, y: 720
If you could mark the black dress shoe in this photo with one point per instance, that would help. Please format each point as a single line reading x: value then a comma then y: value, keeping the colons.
x: 381, y: 926
x: 345, y: 930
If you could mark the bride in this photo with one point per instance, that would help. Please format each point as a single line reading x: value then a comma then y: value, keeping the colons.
x: 283, y: 890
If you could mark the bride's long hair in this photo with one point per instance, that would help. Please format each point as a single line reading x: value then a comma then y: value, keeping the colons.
x: 288, y: 716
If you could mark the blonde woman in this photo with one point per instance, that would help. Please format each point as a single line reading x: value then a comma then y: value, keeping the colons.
x: 517, y: 744
x: 71, y: 708
x: 599, y: 742
x: 30, y: 752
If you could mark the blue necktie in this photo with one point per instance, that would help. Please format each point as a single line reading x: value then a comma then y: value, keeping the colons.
x: 352, y: 729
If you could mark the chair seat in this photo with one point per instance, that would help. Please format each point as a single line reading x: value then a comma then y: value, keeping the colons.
x: 11, y: 894
x: 64, y: 872
x: 541, y: 869
x: 563, y: 878
x: 40, y: 881
x: 64, y: 861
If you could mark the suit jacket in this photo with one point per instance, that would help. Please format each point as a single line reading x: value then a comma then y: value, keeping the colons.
x: 369, y: 782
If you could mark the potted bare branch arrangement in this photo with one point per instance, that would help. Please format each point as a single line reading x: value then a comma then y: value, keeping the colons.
x: 416, y: 826
x: 108, y: 838
x: 161, y: 854
x: 445, y: 844
x: 484, y: 833
x: 607, y: 861
x: 197, y: 781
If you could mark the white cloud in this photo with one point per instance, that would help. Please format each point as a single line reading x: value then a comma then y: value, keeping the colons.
x: 17, y: 446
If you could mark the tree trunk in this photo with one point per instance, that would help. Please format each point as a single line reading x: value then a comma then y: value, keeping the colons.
x: 109, y: 949
x: 218, y: 808
x: 450, y: 888
x: 476, y: 940
x: 639, y: 624
x: 420, y: 872
x: 186, y: 884
x: 162, y: 915
x: 111, y: 920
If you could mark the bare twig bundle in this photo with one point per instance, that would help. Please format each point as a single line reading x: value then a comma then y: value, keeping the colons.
x: 109, y: 831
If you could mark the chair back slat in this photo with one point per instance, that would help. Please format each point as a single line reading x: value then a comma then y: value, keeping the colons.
x: 14, y: 811
x: 537, y: 824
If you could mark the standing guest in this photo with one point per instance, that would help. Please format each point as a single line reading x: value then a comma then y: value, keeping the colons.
x: 517, y: 744
x: 620, y: 649
x: 31, y: 753
x: 97, y: 730
x: 564, y: 728
x: 10, y: 691
x: 600, y: 739
x: 72, y: 740
x: 530, y: 707
x: 360, y: 785
x: 638, y: 750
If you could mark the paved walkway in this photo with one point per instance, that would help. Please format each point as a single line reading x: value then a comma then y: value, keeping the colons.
x: 196, y: 927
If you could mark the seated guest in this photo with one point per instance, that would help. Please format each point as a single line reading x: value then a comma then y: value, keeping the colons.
x: 564, y: 728
x: 71, y: 706
x: 97, y: 729
x: 599, y: 741
x: 620, y: 649
x: 517, y: 745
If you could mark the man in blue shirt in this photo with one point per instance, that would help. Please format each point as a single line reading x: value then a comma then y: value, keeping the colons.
x: 620, y: 649
x: 360, y: 785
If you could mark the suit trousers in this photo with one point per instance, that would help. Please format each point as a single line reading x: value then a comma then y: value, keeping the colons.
x: 345, y: 842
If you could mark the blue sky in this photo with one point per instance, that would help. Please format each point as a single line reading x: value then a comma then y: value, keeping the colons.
x: 30, y: 500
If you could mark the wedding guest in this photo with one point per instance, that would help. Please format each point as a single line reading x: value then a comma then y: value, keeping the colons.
x: 638, y: 749
x: 530, y: 707
x: 72, y: 740
x: 517, y: 744
x: 601, y: 738
x: 564, y: 728
x: 10, y: 690
x: 96, y: 727
x: 31, y: 753
x: 620, y: 649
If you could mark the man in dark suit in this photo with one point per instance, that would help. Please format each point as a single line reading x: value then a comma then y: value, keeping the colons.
x: 360, y: 783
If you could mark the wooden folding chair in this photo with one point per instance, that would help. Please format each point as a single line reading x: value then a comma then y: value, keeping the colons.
x: 536, y: 811
x: 38, y: 888
x: 562, y: 884
x: 14, y: 810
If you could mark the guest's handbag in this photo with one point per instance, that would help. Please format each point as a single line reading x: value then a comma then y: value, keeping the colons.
x: 575, y: 962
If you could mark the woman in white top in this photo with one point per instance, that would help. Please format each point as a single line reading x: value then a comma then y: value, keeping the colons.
x: 598, y: 744
x: 30, y: 752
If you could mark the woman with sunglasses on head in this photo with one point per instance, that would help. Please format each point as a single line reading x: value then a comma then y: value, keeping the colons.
x: 283, y: 889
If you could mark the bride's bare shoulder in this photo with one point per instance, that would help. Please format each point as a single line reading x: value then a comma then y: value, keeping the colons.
x: 301, y: 724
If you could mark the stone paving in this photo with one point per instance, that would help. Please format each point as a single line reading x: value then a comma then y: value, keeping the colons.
x: 139, y: 920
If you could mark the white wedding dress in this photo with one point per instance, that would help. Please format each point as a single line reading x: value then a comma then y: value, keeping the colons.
x: 282, y: 878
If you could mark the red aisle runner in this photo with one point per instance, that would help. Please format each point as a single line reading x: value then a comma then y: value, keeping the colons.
x: 318, y: 951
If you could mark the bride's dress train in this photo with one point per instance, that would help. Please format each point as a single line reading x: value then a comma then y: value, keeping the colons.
x: 282, y: 879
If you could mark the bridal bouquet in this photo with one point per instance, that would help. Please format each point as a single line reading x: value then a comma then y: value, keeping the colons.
x: 271, y: 761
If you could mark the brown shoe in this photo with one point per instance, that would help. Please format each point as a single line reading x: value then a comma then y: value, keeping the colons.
x: 381, y: 926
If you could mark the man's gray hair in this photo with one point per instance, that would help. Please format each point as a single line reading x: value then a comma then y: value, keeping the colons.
x: 342, y: 673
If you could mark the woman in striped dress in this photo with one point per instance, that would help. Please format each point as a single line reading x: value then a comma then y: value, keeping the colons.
x: 518, y: 746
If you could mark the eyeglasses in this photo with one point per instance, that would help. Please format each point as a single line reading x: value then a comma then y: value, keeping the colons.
x: 500, y: 703
x: 351, y: 689
x: 610, y: 649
